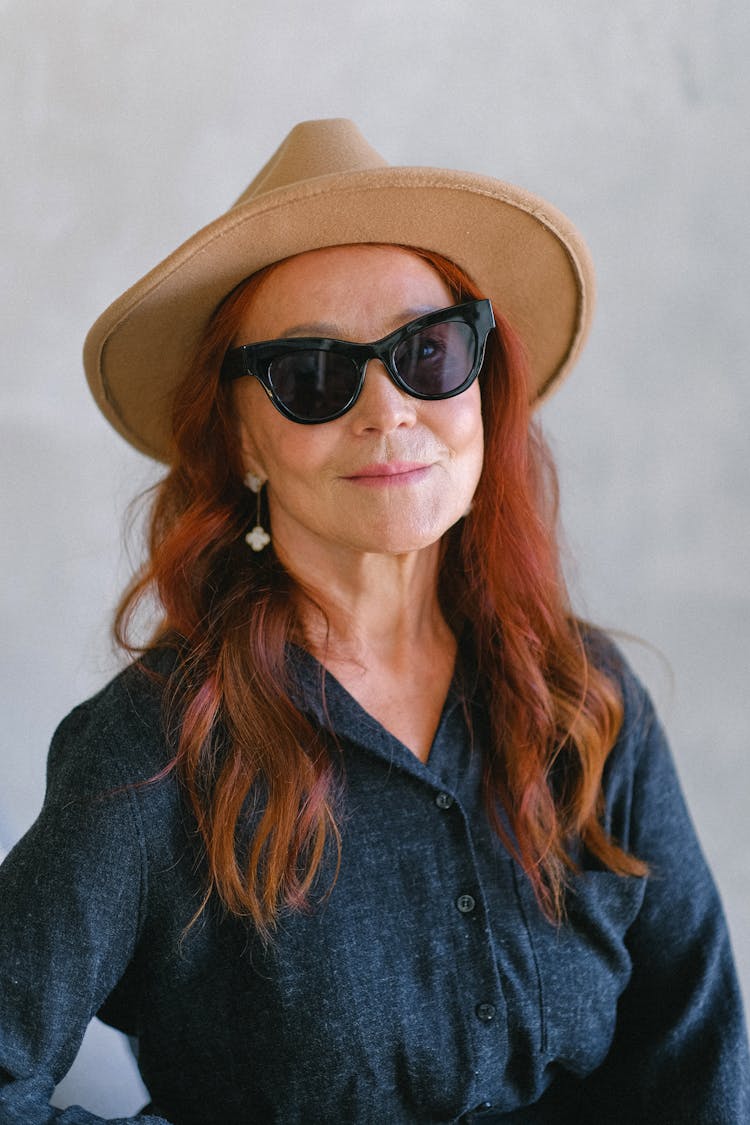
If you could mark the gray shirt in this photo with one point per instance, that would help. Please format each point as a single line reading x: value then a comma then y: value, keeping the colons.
x: 427, y: 987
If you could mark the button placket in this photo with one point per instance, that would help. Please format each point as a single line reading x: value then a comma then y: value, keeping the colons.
x: 485, y: 1012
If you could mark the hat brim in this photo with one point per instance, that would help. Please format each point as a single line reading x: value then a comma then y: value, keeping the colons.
x: 521, y: 252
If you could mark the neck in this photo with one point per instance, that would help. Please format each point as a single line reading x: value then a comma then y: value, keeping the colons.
x: 374, y: 621
x: 371, y: 607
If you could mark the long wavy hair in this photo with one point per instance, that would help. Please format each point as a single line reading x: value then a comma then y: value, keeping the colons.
x: 239, y: 742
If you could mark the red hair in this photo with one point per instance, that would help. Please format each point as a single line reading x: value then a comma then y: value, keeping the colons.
x: 554, y: 716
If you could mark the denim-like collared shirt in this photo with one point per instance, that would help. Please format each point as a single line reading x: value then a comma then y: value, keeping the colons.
x: 427, y: 987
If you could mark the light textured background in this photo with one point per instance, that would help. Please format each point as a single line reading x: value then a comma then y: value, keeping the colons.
x: 125, y: 127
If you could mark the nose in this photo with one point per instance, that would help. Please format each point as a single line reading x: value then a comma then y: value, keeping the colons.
x: 381, y: 404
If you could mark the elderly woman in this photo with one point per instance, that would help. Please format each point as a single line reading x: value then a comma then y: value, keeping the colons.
x: 374, y: 830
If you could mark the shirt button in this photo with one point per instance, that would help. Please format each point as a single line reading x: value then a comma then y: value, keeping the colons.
x: 486, y: 1012
x: 465, y: 904
x: 443, y: 800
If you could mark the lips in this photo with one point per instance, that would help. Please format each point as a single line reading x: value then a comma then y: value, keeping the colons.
x: 389, y: 473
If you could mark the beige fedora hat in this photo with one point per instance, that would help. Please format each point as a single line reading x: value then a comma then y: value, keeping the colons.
x: 326, y: 186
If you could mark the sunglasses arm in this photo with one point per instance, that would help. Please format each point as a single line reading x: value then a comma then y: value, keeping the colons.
x: 235, y: 365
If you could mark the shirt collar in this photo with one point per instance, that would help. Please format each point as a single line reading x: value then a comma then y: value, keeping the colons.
x: 323, y: 698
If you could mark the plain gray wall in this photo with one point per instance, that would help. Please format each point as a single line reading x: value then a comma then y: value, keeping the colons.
x: 125, y: 127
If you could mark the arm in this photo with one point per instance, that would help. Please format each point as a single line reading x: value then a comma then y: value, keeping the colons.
x: 680, y: 1050
x: 71, y: 894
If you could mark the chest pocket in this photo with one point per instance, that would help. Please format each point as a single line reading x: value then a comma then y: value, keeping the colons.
x: 584, y: 966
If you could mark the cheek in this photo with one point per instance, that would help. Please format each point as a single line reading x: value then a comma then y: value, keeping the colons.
x: 469, y: 437
x: 294, y: 452
x: 463, y: 430
x: 297, y: 460
x: 270, y: 442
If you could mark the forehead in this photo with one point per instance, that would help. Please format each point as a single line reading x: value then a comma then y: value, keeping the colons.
x: 350, y: 292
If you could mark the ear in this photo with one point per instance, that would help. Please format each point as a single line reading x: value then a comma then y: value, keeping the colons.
x: 252, y: 461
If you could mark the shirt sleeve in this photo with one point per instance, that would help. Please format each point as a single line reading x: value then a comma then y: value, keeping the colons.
x: 72, y: 891
x: 680, y: 1050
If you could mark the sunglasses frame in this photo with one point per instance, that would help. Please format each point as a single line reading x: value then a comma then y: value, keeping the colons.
x: 255, y: 359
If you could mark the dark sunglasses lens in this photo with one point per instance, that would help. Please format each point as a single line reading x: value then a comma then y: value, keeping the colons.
x: 313, y: 385
x: 435, y: 361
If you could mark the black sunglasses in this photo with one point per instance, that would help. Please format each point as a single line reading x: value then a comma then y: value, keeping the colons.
x: 316, y: 380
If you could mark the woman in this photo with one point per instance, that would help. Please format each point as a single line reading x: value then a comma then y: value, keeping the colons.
x: 375, y: 831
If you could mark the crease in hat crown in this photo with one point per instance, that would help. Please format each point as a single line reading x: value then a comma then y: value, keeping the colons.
x: 312, y: 149
x: 326, y: 185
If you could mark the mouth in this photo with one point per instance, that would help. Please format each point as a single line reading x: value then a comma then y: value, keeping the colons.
x: 389, y: 474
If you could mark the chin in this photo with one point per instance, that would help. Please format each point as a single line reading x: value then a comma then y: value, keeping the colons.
x: 392, y: 541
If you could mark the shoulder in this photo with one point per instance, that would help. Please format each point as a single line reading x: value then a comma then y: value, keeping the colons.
x: 640, y: 780
x: 607, y: 657
x: 117, y: 737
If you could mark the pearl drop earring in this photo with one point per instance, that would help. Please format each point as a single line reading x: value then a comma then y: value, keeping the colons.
x: 258, y: 538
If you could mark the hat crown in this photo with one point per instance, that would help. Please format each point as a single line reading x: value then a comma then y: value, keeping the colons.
x: 311, y: 149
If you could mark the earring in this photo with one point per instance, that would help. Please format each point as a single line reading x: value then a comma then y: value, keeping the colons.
x: 258, y: 538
